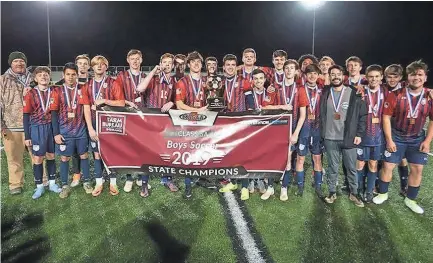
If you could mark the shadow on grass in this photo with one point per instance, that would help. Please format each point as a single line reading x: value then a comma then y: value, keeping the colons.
x: 22, y: 237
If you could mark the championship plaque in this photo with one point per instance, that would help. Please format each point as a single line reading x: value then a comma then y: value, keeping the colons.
x: 215, y: 93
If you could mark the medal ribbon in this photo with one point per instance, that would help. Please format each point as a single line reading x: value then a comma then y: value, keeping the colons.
x: 196, y: 89
x: 413, y: 111
x: 230, y: 94
x: 312, y: 107
x: 285, y: 93
x: 256, y: 100
x: 337, y: 107
x: 133, y: 79
x: 377, y: 106
x: 74, y: 100
x: 100, y: 88
x: 47, y: 102
x: 276, y: 78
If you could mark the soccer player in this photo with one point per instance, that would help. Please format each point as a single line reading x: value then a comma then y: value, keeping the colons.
x: 324, y: 64
x: 69, y: 128
x: 303, y: 62
x: 179, y: 66
x: 276, y: 75
x: 372, y: 143
x: 38, y: 132
x: 159, y: 92
x: 190, y: 95
x: 249, y: 58
x: 309, y: 138
x: 354, y: 67
x: 211, y: 66
x: 98, y: 91
x: 404, y: 116
x: 129, y: 81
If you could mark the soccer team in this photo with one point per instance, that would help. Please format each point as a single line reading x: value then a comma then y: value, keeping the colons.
x: 60, y: 119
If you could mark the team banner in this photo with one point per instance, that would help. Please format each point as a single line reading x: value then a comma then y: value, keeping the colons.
x: 191, y: 144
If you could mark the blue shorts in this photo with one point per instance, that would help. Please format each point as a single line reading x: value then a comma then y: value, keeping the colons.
x: 42, y: 139
x: 406, y: 149
x: 93, y: 146
x: 367, y: 153
x: 313, y: 144
x: 73, y: 145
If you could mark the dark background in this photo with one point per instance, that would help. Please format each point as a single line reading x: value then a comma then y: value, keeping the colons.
x: 377, y: 32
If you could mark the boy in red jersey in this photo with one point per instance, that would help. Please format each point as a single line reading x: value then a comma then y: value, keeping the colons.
x: 249, y: 58
x: 38, y: 131
x: 404, y: 117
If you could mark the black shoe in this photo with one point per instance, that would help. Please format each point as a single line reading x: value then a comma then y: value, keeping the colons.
x: 319, y: 192
x: 300, y: 192
x: 188, y: 192
x: 369, y: 198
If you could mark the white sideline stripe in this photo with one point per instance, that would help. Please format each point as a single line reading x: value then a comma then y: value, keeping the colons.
x: 248, y: 243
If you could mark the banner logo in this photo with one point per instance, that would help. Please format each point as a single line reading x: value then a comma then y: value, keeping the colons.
x: 112, y: 124
x: 193, y: 116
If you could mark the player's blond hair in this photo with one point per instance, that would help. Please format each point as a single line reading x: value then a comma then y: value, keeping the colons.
x: 82, y: 56
x: 166, y: 55
x: 134, y: 52
x: 41, y: 69
x: 327, y: 58
x: 394, y: 69
x: 96, y: 60
x: 249, y: 50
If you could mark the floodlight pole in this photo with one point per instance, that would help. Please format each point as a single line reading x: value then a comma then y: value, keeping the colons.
x: 49, y: 38
x: 314, y: 29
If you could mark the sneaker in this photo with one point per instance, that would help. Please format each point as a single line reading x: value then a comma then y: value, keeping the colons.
x: 228, y: 188
x: 319, y: 192
x: 356, y: 200
x: 75, y: 180
x: 39, y: 191
x: 261, y: 186
x: 16, y: 191
x: 270, y: 191
x: 251, y: 187
x: 114, y: 190
x: 188, y: 191
x: 245, y: 194
x: 128, y: 186
x: 369, y: 198
x: 283, y: 194
x: 300, y: 191
x: 331, y: 198
x: 139, y: 182
x: 55, y: 188
x: 380, y: 198
x: 66, y: 190
x: 413, y: 206
x: 88, y: 187
x: 144, y: 191
x: 98, y: 190
x: 171, y: 186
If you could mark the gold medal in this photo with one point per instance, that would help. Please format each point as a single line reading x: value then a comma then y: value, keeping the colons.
x: 311, y: 116
x: 412, y: 121
x: 375, y: 120
x: 197, y: 104
x: 71, y: 115
x: 337, y: 116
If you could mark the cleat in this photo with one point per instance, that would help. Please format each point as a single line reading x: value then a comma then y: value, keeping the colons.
x: 251, y: 187
x: 356, y: 200
x: 413, y: 206
x: 380, y: 198
x: 228, y: 188
x: 88, y: 187
x: 138, y: 182
x: 300, y: 192
x: 283, y: 194
x: 39, y: 191
x: 66, y: 190
x: 245, y: 194
x: 369, y: 198
x: 75, y: 180
x: 55, y: 188
x: 188, y: 192
x: 128, y: 186
x: 97, y: 191
x: 319, y: 192
x: 270, y: 191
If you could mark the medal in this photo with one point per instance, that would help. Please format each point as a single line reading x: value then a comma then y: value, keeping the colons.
x: 289, y: 100
x: 197, y: 104
x: 133, y: 79
x: 312, y: 101
x: 277, y: 77
x: 311, y: 116
x: 229, y: 94
x: 375, y: 120
x: 196, y: 91
x: 71, y: 115
x: 96, y: 95
x: 337, y: 116
x: 256, y: 100
x: 74, y: 99
x: 44, y: 106
x: 374, y: 106
x: 413, y: 112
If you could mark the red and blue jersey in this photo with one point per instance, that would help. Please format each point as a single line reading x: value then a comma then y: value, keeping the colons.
x: 375, y: 101
x: 264, y: 98
x: 129, y: 82
x: 71, y: 114
x: 311, y: 125
x: 274, y: 77
x: 361, y: 81
x: 408, y: 123
x: 234, y: 93
x: 191, y: 91
x: 160, y: 90
x: 37, y: 104
x: 244, y: 74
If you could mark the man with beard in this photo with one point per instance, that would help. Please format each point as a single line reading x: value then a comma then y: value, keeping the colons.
x: 128, y: 80
x: 159, y: 92
x: 249, y: 59
x: 404, y: 116
x: 343, y: 124
x: 179, y: 66
x: 190, y: 96
x: 98, y: 91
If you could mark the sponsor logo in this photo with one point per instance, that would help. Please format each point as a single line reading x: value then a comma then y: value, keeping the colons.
x: 193, y: 116
x: 112, y: 124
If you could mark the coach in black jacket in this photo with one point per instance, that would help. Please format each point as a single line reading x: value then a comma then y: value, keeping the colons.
x: 343, y: 116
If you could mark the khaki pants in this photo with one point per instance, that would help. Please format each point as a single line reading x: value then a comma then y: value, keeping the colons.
x: 15, y: 148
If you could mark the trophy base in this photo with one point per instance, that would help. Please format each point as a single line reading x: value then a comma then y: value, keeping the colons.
x: 216, y: 104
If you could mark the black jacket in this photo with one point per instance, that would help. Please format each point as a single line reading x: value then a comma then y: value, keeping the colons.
x: 355, y: 124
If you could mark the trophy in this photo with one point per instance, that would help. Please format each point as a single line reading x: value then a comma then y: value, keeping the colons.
x: 215, y: 93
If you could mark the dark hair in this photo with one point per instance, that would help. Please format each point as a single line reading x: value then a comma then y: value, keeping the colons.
x: 415, y: 66
x: 257, y: 71
x: 279, y: 53
x: 70, y: 65
x: 291, y: 61
x: 374, y: 67
x: 211, y: 59
x: 194, y: 55
x: 230, y: 57
x: 340, y: 68
x: 394, y: 69
x: 308, y: 56
x: 312, y: 68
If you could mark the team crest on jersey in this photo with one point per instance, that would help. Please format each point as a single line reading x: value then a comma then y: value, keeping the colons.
x: 423, y: 101
x: 105, y: 85
x: 267, y: 99
x: 79, y: 92
x: 170, y: 86
x: 387, y: 154
x: 360, y: 151
x: 35, y: 147
x: 62, y: 148
x: 51, y: 100
x: 386, y: 105
x: 236, y: 84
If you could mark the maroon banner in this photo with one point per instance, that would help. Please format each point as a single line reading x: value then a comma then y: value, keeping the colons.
x: 205, y: 144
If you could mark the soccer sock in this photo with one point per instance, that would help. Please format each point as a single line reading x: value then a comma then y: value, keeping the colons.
x: 244, y: 183
x: 76, y: 164
x: 318, y: 178
x: 38, y: 171
x: 64, y: 171
x: 52, y: 182
x: 128, y: 177
x: 403, y: 171
x: 371, y: 179
x: 412, y: 192
x: 84, y: 163
x: 383, y: 187
x: 98, y: 168
x: 144, y: 179
x: 51, y: 169
x: 300, y: 178
x: 360, y: 177
x: 187, y: 181
x: 286, y: 178
x: 113, y: 181
x: 99, y: 181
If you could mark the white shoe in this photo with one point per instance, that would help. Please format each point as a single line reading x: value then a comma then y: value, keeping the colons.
x: 251, y: 187
x: 128, y: 186
x: 138, y: 182
x: 413, y: 206
x: 380, y: 198
x: 283, y: 194
x: 270, y: 191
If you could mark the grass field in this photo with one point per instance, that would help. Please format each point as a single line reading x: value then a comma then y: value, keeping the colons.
x: 115, y: 229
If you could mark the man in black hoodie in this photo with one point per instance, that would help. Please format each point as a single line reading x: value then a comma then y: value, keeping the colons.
x: 343, y: 123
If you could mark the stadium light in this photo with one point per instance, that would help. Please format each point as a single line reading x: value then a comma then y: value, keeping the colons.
x: 313, y: 4
x: 48, y: 30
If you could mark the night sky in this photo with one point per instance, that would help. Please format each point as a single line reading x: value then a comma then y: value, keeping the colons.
x: 377, y: 32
